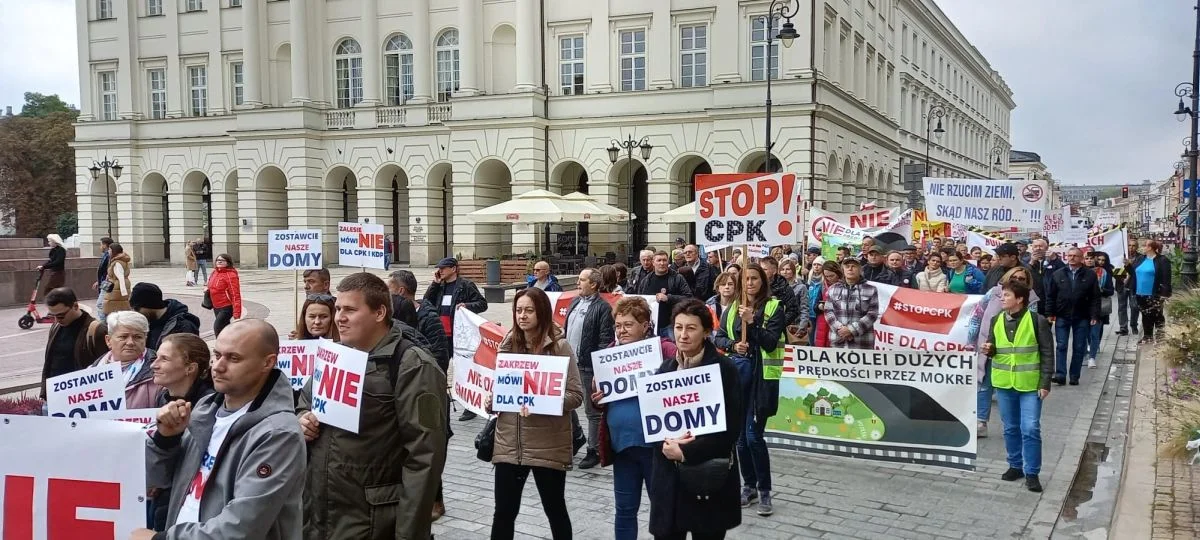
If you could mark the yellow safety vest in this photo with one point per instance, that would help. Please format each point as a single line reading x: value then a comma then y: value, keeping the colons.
x: 1016, y: 364
x: 772, y: 361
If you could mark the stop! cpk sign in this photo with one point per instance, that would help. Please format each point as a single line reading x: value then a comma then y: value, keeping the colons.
x: 93, y: 487
x: 747, y: 208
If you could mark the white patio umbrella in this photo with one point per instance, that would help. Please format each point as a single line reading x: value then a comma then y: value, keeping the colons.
x: 536, y: 206
x: 683, y: 214
x: 600, y: 211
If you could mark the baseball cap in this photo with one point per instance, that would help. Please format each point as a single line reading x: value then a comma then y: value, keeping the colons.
x: 1007, y: 248
x: 146, y: 295
x: 814, y: 250
x: 874, y: 249
x: 448, y: 262
x: 851, y: 260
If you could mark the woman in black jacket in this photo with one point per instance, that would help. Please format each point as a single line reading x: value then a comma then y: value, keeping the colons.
x: 1150, y: 281
x: 55, y: 266
x: 674, y: 511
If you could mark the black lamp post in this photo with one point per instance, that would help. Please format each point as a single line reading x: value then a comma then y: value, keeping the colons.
x: 1191, y: 91
x: 996, y: 152
x: 614, y: 153
x: 784, y: 9
x: 110, y: 169
x: 935, y: 111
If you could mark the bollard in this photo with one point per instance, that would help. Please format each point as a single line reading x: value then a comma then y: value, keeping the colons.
x: 492, y: 271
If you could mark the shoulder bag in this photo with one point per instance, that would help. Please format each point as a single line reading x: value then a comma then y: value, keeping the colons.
x: 485, y: 442
x: 207, y: 302
x: 704, y: 480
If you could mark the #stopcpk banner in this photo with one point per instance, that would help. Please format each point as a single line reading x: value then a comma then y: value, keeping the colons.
x: 987, y: 203
x: 617, y: 369
x: 294, y: 250
x: 747, y: 208
x: 476, y: 343
x: 676, y: 403
x: 536, y: 382
x: 296, y: 360
x: 81, y: 393
x: 65, y: 479
x: 361, y: 244
x: 857, y: 224
x: 561, y: 302
x: 912, y: 400
x: 337, y: 385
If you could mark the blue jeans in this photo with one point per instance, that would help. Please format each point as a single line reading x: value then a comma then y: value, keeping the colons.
x: 201, y: 270
x: 1022, y: 416
x: 983, y: 396
x: 100, y: 299
x: 1094, y: 336
x: 1077, y: 332
x: 753, y: 459
x: 631, y: 470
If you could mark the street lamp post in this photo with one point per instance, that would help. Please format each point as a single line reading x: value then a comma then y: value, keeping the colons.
x: 935, y: 111
x: 110, y: 169
x: 614, y: 153
x: 1192, y: 91
x: 996, y: 152
x: 784, y: 9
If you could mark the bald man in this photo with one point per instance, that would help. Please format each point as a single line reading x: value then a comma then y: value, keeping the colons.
x: 249, y: 427
x: 542, y: 278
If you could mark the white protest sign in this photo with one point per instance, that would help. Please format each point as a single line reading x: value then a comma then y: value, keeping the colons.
x: 1107, y: 219
x: 1054, y: 222
x: 985, y: 242
x: 528, y: 380
x: 857, y: 224
x: 337, y: 381
x: 147, y: 418
x: 296, y: 360
x: 65, y: 479
x: 361, y: 244
x: 747, y: 208
x: 618, y: 369
x: 79, y: 393
x: 987, y: 203
x: 476, y: 341
x: 681, y: 401
x: 294, y: 250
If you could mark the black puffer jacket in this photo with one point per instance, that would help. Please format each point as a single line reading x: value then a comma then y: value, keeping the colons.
x: 597, y: 330
x: 177, y: 320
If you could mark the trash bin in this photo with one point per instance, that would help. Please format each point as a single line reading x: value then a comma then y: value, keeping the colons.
x: 492, y: 271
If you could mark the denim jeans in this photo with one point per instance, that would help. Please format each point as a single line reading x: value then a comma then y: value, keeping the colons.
x: 983, y: 396
x: 1022, y: 416
x: 100, y: 299
x: 1127, y: 311
x: 201, y: 270
x: 753, y: 459
x: 1094, y: 336
x: 1077, y: 333
x: 631, y: 470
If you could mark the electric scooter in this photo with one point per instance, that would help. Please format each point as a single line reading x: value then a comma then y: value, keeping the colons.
x: 31, y: 315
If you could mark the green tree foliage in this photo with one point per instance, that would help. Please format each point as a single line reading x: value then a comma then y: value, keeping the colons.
x: 37, y: 167
x: 40, y: 105
x: 68, y: 224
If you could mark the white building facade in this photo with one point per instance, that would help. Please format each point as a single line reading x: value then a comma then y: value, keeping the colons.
x: 233, y: 118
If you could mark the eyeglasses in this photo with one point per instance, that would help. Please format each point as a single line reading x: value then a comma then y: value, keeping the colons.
x: 320, y: 298
x: 60, y: 316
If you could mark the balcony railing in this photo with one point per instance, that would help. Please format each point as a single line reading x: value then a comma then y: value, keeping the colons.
x: 339, y: 119
x: 439, y: 112
x: 390, y: 116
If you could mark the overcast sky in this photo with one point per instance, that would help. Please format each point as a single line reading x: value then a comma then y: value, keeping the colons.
x: 1093, y: 80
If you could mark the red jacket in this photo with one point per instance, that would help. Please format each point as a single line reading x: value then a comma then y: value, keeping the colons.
x: 226, y: 290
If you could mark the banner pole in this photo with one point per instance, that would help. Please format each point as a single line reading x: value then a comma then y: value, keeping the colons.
x: 745, y: 293
x: 296, y: 292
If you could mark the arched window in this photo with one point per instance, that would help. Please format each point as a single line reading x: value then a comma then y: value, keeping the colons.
x: 348, y: 73
x: 398, y: 70
x: 447, y: 64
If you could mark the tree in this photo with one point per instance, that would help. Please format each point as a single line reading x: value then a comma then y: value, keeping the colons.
x: 37, y: 167
x: 40, y: 105
x: 68, y: 224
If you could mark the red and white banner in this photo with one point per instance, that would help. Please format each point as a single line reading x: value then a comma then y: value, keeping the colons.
x: 296, y: 360
x: 561, y: 302
x: 64, y: 479
x: 337, y: 385
x: 476, y: 342
x: 747, y: 208
x: 858, y: 224
x: 984, y: 241
x: 1113, y: 241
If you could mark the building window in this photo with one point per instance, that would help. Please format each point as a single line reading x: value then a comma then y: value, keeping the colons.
x: 904, y: 39
x: 570, y: 65
x: 198, y: 78
x: 158, y: 93
x: 154, y: 8
x: 633, y: 60
x: 447, y: 64
x: 237, y: 74
x: 758, y: 48
x: 693, y: 55
x: 194, y: 5
x: 235, y: 3
x: 108, y: 95
x: 348, y: 73
x: 104, y: 9
x: 398, y: 70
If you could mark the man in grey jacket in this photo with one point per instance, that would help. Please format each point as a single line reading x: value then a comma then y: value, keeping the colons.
x: 236, y: 463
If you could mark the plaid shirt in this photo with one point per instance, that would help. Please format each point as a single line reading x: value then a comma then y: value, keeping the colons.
x: 855, y: 307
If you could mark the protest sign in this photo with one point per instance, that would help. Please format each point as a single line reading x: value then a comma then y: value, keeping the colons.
x: 987, y: 203
x: 907, y: 406
x: 747, y: 208
x: 294, y: 250
x: 529, y: 380
x: 1107, y: 219
x: 618, y: 369
x: 988, y: 242
x: 923, y: 320
x: 561, y: 302
x: 681, y: 401
x: 296, y: 360
x: 1113, y: 240
x: 337, y: 385
x: 147, y: 418
x: 77, y: 394
x: 64, y: 479
x: 361, y: 244
x: 831, y: 242
x: 857, y: 224
x: 476, y: 341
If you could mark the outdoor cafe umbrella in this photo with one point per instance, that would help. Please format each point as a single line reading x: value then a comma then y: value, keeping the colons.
x: 683, y: 214
x: 600, y: 211
x: 536, y: 206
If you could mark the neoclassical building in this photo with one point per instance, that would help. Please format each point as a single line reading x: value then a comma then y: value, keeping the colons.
x: 235, y: 117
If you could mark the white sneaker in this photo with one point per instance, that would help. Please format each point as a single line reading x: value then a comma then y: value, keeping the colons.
x: 1092, y: 363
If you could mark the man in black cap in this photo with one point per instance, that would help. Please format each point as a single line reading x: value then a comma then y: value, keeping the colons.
x: 875, y: 269
x: 166, y: 316
x: 812, y: 261
x: 447, y: 292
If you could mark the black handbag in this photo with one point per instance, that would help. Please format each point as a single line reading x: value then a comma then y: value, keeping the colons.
x: 704, y: 480
x: 207, y: 302
x: 485, y: 442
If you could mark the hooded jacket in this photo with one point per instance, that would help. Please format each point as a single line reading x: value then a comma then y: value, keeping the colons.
x: 381, y: 482
x: 176, y: 320
x: 254, y: 489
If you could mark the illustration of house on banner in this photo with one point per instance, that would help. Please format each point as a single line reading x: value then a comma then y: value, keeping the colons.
x: 822, y: 407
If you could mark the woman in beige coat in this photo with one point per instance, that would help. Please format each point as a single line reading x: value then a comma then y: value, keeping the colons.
x: 933, y: 278
x: 534, y: 443
x: 190, y: 263
x: 117, y: 297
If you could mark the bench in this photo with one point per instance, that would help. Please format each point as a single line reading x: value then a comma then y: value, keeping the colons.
x: 497, y: 293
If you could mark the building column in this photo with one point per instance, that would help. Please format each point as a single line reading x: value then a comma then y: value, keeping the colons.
x: 216, y: 68
x: 528, y: 27
x: 605, y: 237
x: 186, y: 221
x: 372, y: 58
x: 175, y: 77
x: 725, y: 59
x: 127, y: 59
x: 598, y: 51
x: 468, y: 47
x: 658, y: 38
x: 225, y: 223
x: 425, y: 218
x: 299, y: 41
x: 83, y: 50
x: 252, y: 60
x: 422, y: 53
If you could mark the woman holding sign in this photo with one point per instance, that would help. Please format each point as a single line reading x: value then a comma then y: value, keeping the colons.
x: 758, y: 354
x: 127, y: 345
x: 694, y: 487
x: 316, y: 318
x: 535, y: 443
